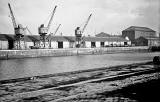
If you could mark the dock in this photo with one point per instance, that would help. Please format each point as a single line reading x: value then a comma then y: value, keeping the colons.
x: 83, y: 85
x: 34, y: 53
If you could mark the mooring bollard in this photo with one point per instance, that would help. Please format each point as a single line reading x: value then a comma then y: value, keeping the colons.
x: 156, y: 60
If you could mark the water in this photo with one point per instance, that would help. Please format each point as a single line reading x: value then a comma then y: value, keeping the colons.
x: 17, y: 68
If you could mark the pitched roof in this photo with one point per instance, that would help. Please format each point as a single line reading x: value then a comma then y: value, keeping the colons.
x: 136, y: 28
x: 102, y: 34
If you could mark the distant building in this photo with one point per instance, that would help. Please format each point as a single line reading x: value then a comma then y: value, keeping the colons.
x: 137, y: 35
x: 102, y: 34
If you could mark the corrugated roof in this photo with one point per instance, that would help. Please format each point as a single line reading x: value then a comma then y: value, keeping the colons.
x: 6, y: 37
x: 133, y: 28
x: 70, y: 38
x: 58, y: 38
x: 34, y: 37
x: 26, y: 38
x: 3, y: 37
x: 62, y: 38
x: 9, y: 36
x: 103, y: 39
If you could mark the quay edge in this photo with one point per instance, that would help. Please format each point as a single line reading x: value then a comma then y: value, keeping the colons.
x: 13, y: 54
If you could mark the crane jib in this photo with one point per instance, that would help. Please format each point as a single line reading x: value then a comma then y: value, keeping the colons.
x: 49, y: 23
x: 12, y: 16
x: 86, y: 23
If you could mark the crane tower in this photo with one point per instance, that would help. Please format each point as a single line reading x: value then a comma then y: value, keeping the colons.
x: 79, y: 32
x: 18, y: 30
x: 43, y: 31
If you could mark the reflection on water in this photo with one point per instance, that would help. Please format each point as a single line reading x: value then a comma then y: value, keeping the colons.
x: 16, y: 68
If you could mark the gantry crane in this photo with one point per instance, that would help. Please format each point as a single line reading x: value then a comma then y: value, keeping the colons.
x: 43, y: 31
x: 49, y: 37
x: 79, y: 32
x: 18, y: 30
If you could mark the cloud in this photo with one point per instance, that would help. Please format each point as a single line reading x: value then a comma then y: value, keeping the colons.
x: 108, y: 15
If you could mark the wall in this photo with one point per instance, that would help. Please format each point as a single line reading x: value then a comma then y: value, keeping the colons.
x: 54, y: 44
x: 141, y: 41
x: 66, y: 44
x: 130, y: 35
x: 129, y: 43
x: 88, y: 44
x: 3, y: 45
x: 98, y: 44
x: 106, y: 43
x: 71, y: 45
x: 28, y: 44
x: 144, y: 34
x: 122, y: 43
x: 154, y: 42
x: 10, y: 54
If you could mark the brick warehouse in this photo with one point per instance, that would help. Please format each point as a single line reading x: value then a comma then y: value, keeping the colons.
x: 141, y: 36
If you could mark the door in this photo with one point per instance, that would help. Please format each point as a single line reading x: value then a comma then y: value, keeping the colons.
x: 10, y: 44
x: 93, y: 44
x: 60, y: 44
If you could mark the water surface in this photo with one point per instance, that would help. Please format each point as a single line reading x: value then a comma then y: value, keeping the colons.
x: 16, y: 68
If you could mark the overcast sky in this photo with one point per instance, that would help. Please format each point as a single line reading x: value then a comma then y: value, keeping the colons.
x: 109, y: 16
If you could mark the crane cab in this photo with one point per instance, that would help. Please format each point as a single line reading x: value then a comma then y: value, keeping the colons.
x: 78, y: 32
x: 42, y: 30
x: 19, y: 30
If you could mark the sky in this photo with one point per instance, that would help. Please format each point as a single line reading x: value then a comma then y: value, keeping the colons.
x: 109, y: 16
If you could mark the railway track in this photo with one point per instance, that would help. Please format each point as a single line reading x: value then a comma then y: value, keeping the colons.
x: 79, y: 85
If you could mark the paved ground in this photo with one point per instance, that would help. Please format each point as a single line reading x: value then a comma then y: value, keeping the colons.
x: 79, y: 86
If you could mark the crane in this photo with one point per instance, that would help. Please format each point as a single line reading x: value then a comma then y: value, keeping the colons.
x: 79, y: 32
x: 43, y: 31
x: 86, y: 23
x: 51, y: 34
x: 18, y: 29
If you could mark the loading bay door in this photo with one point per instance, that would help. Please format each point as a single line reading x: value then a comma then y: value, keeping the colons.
x: 60, y: 44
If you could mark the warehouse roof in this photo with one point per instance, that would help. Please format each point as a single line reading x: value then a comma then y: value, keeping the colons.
x: 33, y: 38
x: 6, y: 37
x: 2, y: 37
x: 103, y: 39
x: 136, y: 28
x: 59, y: 38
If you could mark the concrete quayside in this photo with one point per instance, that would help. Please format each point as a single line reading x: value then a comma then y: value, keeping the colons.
x: 85, y: 85
x: 11, y: 54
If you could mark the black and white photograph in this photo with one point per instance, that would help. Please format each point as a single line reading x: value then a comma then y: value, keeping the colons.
x: 79, y: 50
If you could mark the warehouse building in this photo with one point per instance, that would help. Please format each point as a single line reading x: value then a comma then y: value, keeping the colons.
x: 7, y: 41
x: 106, y: 42
x: 141, y: 36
